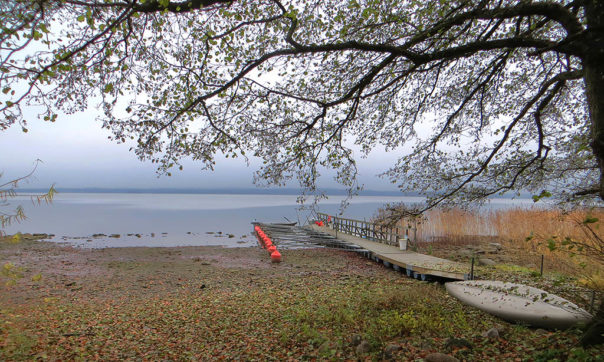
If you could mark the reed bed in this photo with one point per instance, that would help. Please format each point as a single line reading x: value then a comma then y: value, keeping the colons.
x: 454, y: 226
x: 531, y: 231
x: 531, y: 227
x: 535, y: 226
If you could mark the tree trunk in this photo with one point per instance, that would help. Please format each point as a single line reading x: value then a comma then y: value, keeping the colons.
x: 593, y: 66
x: 594, y: 334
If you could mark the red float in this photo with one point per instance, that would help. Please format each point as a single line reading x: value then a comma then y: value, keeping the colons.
x: 266, y: 243
x: 276, y: 256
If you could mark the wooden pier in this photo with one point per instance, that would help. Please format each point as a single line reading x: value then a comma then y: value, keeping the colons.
x: 419, y: 266
x: 366, y: 229
x: 416, y: 265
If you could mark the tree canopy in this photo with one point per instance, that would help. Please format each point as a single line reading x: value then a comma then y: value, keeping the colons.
x: 482, y: 97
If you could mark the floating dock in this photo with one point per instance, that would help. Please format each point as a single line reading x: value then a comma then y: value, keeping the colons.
x: 416, y: 265
x: 297, y: 236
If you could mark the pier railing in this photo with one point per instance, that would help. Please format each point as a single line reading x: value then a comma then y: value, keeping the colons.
x: 365, y: 229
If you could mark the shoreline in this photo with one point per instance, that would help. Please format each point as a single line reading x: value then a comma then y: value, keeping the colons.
x: 126, y: 240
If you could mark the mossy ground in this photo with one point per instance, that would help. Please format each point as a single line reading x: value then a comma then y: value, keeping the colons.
x: 215, y: 303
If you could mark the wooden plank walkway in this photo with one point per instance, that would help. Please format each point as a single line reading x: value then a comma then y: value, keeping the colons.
x: 418, y: 265
x: 294, y: 236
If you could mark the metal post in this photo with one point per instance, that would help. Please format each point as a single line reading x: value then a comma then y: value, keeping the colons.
x: 542, y: 256
x: 336, y: 223
x: 593, y: 300
x: 414, y: 230
x: 472, y: 270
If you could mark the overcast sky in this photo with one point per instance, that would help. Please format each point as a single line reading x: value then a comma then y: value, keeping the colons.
x: 76, y: 153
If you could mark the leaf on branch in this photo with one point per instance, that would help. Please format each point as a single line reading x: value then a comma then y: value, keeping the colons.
x: 543, y: 194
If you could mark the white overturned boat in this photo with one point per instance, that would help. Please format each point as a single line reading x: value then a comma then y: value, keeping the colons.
x: 519, y: 303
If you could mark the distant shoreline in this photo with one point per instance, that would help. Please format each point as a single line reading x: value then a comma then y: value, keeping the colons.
x: 236, y: 191
x: 214, y: 191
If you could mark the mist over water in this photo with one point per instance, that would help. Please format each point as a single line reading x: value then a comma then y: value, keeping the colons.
x: 181, y: 219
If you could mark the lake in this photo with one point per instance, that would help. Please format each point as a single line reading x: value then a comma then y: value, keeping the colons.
x: 181, y: 219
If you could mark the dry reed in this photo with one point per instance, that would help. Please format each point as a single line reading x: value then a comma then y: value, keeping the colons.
x: 524, y: 229
x: 455, y: 226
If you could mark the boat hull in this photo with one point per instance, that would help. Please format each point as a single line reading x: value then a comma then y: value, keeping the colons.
x: 519, y: 303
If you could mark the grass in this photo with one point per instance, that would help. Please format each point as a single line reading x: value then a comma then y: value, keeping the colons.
x: 276, y: 323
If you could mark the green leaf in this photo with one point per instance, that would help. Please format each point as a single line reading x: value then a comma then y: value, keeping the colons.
x: 108, y: 88
x: 543, y: 194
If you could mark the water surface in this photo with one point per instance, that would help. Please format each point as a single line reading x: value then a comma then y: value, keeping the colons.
x: 180, y: 219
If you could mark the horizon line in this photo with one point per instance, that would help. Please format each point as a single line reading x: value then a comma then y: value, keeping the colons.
x: 236, y: 190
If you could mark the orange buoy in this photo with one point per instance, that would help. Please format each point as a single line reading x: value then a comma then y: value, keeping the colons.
x: 276, y: 256
x: 268, y: 243
x: 271, y: 249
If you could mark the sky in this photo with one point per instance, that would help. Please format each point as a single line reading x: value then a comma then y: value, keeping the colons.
x: 76, y: 153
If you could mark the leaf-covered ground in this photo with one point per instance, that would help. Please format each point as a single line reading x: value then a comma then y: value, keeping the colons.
x: 208, y: 303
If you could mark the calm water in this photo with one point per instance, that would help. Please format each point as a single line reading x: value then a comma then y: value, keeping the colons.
x: 179, y: 219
